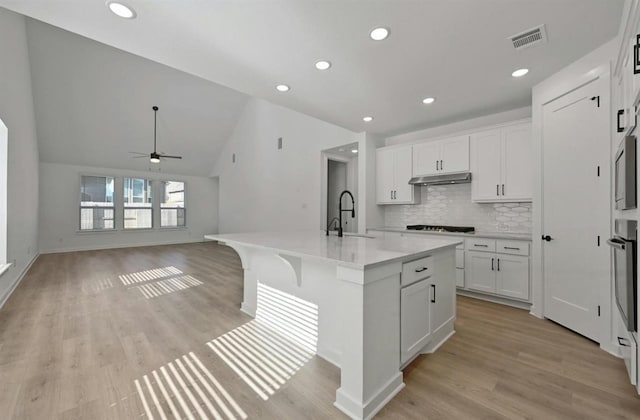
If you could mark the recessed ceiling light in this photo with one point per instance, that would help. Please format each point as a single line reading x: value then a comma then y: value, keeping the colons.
x: 282, y: 88
x: 121, y: 10
x: 354, y: 151
x: 378, y: 34
x: 323, y: 65
x: 428, y: 101
x: 367, y: 119
x: 520, y: 72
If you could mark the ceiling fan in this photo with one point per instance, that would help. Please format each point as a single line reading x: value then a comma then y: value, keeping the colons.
x: 154, y: 157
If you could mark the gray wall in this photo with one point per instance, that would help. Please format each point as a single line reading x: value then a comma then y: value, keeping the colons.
x: 16, y: 111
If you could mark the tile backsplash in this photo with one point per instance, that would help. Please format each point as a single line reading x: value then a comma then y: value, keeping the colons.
x: 451, y: 205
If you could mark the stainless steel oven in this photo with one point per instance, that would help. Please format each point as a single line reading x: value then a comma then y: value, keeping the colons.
x: 625, y: 270
x: 625, y: 175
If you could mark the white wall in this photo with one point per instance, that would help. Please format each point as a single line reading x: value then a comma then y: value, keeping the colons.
x: 59, y: 194
x: 269, y: 189
x: 16, y: 111
x: 594, y: 65
x: 461, y: 127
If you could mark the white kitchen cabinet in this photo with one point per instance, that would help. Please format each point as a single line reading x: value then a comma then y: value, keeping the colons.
x: 501, y: 165
x: 443, y: 295
x: 441, y: 156
x: 505, y: 274
x: 479, y: 272
x: 415, y: 325
x: 393, y: 172
x: 512, y: 276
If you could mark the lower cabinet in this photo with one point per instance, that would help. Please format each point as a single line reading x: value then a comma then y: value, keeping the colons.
x: 501, y: 274
x: 426, y: 305
x: 415, y: 325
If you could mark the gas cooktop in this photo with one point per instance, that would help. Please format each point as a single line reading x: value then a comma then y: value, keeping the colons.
x: 436, y: 228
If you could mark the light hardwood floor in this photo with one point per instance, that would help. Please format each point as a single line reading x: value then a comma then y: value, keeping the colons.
x: 87, y: 334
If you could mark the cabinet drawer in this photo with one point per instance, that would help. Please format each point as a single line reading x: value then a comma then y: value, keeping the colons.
x: 479, y: 244
x: 512, y: 247
x: 413, y: 271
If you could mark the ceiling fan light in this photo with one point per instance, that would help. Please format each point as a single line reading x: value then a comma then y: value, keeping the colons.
x: 154, y: 159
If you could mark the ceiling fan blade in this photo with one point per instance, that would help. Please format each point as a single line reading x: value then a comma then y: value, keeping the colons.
x: 170, y: 157
x: 139, y: 153
x: 139, y: 157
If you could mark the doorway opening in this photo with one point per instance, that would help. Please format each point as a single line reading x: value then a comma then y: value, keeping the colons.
x: 340, y: 166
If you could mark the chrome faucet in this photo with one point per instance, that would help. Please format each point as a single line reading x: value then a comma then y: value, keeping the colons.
x: 340, y: 209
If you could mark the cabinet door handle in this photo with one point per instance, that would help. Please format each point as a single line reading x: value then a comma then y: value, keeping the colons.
x: 497, y: 189
x: 437, y: 169
x: 622, y: 341
x: 498, y: 264
x: 512, y: 247
x: 395, y: 194
x: 492, y: 269
x: 619, y: 127
x: 433, y: 298
x: 481, y: 245
x: 391, y: 192
x: 502, y: 189
x: 420, y: 270
x: 636, y: 56
x: 441, y: 165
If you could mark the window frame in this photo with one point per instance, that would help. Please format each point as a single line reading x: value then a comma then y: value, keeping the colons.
x: 80, y: 206
x: 161, y: 183
x: 125, y: 208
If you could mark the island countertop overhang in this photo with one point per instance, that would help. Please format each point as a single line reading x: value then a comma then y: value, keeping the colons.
x: 349, y: 251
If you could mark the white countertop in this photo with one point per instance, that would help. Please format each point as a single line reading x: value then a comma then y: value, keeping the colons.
x: 477, y: 234
x: 352, y: 251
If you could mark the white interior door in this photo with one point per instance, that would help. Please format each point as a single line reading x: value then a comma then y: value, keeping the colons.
x: 576, y: 208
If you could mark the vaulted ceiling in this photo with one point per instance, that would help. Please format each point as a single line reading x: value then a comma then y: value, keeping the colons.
x: 457, y: 51
x: 93, y: 105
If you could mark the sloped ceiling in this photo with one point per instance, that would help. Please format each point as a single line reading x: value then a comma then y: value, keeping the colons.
x: 457, y: 51
x: 93, y: 105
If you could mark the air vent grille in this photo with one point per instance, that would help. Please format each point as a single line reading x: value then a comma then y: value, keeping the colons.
x: 529, y: 38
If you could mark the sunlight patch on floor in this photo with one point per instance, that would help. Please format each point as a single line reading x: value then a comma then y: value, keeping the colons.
x: 166, y: 286
x: 148, y: 275
x: 267, y: 351
x: 185, y: 388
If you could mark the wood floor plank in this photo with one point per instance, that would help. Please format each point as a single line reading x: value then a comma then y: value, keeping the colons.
x: 79, y: 342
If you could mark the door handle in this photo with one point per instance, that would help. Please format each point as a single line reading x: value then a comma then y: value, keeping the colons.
x: 433, y: 298
x: 498, y: 264
x: 441, y: 165
x: 622, y: 340
x: 616, y: 243
x: 620, y: 114
x: 502, y: 189
x: 636, y: 56
x: 391, y: 192
x: 436, y: 165
x: 492, y: 269
x: 497, y: 189
x: 547, y: 238
x: 395, y: 194
x: 420, y: 270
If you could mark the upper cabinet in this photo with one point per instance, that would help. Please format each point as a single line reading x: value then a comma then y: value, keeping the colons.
x: 501, y: 165
x: 441, y: 156
x: 393, y: 172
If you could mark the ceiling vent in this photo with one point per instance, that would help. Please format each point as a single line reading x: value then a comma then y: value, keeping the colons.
x: 529, y: 38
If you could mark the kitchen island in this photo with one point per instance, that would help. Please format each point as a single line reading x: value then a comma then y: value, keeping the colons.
x: 367, y: 290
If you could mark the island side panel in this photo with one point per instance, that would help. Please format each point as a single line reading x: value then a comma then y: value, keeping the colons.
x: 370, y: 361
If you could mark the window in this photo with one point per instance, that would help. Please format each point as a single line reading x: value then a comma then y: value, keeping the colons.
x: 96, y: 203
x: 172, y: 210
x: 138, y: 203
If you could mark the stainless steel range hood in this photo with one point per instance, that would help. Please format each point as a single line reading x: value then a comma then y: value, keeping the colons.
x: 460, y: 178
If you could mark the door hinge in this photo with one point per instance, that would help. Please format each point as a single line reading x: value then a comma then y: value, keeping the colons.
x: 596, y: 98
x: 598, y: 310
x: 598, y: 170
x: 598, y: 240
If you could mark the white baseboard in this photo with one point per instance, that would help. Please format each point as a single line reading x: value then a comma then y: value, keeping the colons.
x: 116, y: 246
x: 495, y: 299
x: 15, y: 284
